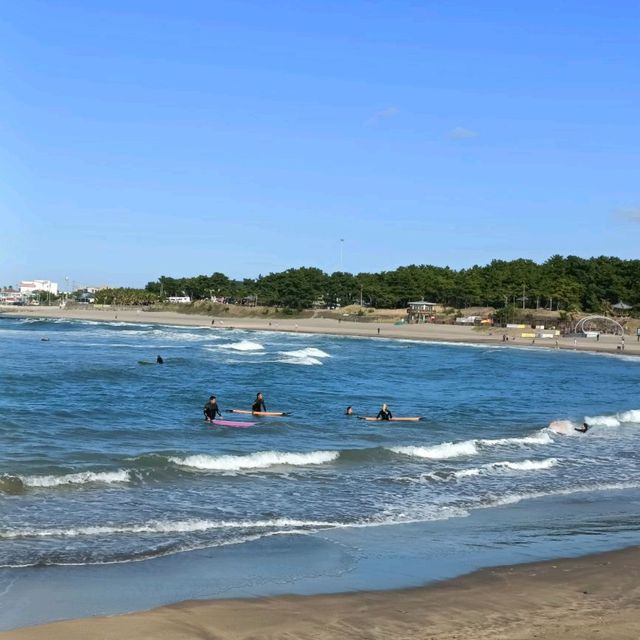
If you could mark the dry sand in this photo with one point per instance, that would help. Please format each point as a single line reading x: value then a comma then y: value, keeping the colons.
x: 592, y: 597
x: 427, y: 332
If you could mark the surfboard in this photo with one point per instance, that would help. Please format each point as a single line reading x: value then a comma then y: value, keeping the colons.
x: 398, y: 419
x: 231, y: 423
x: 145, y: 362
x: 260, y: 413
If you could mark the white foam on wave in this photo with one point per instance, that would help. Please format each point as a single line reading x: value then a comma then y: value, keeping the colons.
x: 165, y: 526
x: 308, y: 352
x: 243, y: 345
x: 470, y: 447
x: 624, y: 417
x: 541, y: 437
x: 500, y: 467
x: 84, y: 477
x: 515, y: 498
x: 259, y: 460
x: 440, y: 451
x: 306, y: 361
x: 309, y: 356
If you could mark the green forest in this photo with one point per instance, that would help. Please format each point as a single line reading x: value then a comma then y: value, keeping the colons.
x: 565, y: 283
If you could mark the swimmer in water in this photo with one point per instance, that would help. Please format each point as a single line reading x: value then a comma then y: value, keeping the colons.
x: 211, y: 409
x: 583, y: 429
x: 384, y: 413
x: 349, y: 411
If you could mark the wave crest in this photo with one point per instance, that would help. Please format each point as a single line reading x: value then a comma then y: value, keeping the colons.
x: 259, y: 460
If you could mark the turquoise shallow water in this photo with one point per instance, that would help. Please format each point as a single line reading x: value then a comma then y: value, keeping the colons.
x: 106, y: 461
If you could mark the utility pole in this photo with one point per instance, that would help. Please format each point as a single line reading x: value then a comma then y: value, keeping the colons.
x: 341, y: 253
x: 523, y: 296
x: 361, y: 295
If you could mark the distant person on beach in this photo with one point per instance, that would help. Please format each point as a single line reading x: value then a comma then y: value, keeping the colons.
x: 211, y: 409
x: 258, y: 405
x: 583, y: 429
x: 384, y: 413
x: 159, y: 360
x: 349, y: 411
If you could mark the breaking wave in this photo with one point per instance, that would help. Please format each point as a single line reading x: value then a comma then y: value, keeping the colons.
x: 83, y: 477
x: 259, y: 460
x: 243, y: 345
x: 440, y: 451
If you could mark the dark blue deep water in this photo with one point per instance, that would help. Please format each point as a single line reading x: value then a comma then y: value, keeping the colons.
x: 105, y: 459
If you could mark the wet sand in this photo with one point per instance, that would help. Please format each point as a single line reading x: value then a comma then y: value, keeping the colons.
x: 426, y: 332
x: 591, y: 597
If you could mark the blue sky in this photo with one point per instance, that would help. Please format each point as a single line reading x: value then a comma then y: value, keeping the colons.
x: 154, y: 138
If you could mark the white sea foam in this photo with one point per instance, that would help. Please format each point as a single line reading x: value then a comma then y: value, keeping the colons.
x: 259, y: 460
x: 309, y: 356
x: 440, y: 451
x: 519, y: 497
x: 624, y: 417
x: 304, y: 361
x: 165, y: 526
x: 309, y: 352
x: 541, y: 437
x: 84, y: 477
x: 244, y: 345
x: 499, y: 467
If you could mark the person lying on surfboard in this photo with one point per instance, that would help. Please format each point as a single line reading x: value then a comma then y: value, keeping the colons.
x: 258, y: 406
x: 384, y: 413
x: 211, y: 409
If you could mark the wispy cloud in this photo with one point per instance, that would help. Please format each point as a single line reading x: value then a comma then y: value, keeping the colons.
x: 382, y: 114
x: 630, y: 214
x: 461, y: 133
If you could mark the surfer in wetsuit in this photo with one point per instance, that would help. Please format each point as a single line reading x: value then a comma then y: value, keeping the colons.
x: 258, y: 406
x: 583, y: 429
x: 211, y: 409
x: 159, y: 360
x: 384, y: 413
x: 349, y: 411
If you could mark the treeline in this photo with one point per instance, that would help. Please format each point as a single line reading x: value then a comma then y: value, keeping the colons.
x: 570, y: 283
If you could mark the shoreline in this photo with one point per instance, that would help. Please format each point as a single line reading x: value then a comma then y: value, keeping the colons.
x: 567, y: 599
x: 322, y: 326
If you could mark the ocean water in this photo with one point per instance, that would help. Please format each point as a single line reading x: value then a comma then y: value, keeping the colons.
x: 107, y: 467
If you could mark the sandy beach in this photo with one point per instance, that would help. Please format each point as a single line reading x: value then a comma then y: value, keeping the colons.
x: 595, y: 596
x: 426, y: 332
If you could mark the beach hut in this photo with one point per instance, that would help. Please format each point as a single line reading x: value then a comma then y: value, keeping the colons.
x: 621, y: 308
x: 421, y: 311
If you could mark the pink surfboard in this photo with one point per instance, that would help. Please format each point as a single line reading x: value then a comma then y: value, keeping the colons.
x: 231, y: 423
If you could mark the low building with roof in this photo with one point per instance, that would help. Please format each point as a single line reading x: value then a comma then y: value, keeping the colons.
x: 421, y: 311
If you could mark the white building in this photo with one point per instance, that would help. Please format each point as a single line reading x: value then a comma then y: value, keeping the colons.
x: 28, y: 287
x: 179, y: 299
x: 11, y: 296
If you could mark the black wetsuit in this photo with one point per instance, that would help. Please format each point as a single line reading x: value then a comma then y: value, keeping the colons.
x: 159, y: 360
x: 583, y: 429
x: 384, y: 415
x: 258, y: 406
x: 211, y: 410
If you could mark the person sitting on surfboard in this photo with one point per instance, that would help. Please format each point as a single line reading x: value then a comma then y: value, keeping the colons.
x: 159, y: 360
x: 258, y: 406
x: 384, y: 413
x: 211, y: 409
